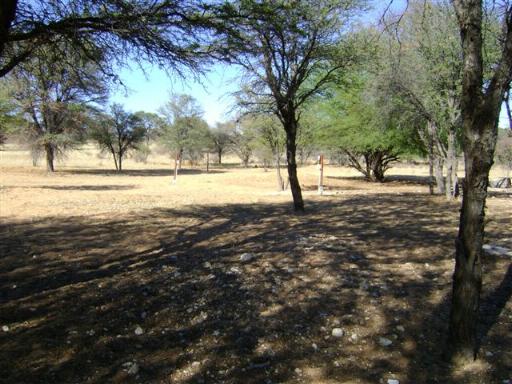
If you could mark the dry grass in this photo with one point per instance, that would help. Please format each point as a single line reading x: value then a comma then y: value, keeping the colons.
x: 87, y: 255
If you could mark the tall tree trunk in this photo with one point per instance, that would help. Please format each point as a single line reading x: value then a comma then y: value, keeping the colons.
x: 480, y: 114
x: 176, y: 161
x: 368, y: 166
x: 50, y: 157
x: 430, y: 164
x: 114, y: 155
x: 180, y: 159
x: 291, y: 149
x: 120, y: 162
x: 467, y: 278
x: 280, y: 182
x: 219, y: 154
x: 438, y: 172
x: 451, y: 164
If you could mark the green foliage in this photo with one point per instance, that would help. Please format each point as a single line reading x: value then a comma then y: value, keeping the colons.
x: 184, y: 131
x: 352, y: 119
x: 10, y: 119
x: 118, y: 133
x: 221, y: 137
x: 504, y: 148
x: 172, y: 34
x: 55, y: 99
x: 244, y: 139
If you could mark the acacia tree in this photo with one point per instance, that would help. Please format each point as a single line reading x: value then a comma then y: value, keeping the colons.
x: 480, y: 108
x: 354, y: 120
x: 425, y: 72
x: 287, y: 50
x: 221, y: 138
x: 54, y: 98
x: 243, y: 140
x: 172, y: 34
x: 118, y: 133
x: 184, y: 130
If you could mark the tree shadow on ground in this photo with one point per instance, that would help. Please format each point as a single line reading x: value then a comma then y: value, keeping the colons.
x: 73, y: 291
x: 139, y: 172
x: 87, y: 187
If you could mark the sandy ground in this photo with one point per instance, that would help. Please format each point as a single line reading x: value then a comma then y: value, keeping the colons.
x: 89, y: 256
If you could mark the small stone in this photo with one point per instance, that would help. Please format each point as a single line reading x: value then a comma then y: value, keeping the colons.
x: 400, y: 328
x: 139, y: 331
x: 196, y: 364
x: 385, y: 342
x: 207, y: 265
x: 337, y: 332
x: 134, y: 369
x: 298, y: 371
x: 393, y: 381
x: 353, y: 337
x: 5, y: 328
x: 488, y: 354
x: 315, y: 347
x: 245, y: 257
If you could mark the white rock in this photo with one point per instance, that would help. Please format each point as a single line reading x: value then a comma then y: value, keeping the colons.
x: 337, y: 332
x: 393, y: 381
x: 400, y: 328
x: 315, y: 347
x: 298, y: 371
x: 385, y: 342
x: 139, y: 331
x: 245, y: 257
x: 134, y: 369
x: 496, y: 250
x: 5, y: 328
x: 353, y: 337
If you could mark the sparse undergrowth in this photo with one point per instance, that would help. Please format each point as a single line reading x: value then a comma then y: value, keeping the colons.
x: 161, y: 294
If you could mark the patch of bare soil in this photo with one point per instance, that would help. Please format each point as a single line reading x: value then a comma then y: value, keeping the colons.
x: 237, y: 291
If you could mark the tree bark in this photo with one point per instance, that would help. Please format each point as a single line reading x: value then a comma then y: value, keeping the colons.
x: 467, y: 278
x: 7, y: 15
x: 114, y: 155
x: 480, y: 114
x: 430, y: 164
x: 50, y: 157
x: 219, y: 154
x: 176, y: 160
x: 290, y: 126
x: 438, y: 173
x: 280, y: 182
x: 451, y: 167
x: 120, y: 162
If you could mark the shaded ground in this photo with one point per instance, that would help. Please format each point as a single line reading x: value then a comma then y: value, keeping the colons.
x: 89, y: 256
x: 73, y: 291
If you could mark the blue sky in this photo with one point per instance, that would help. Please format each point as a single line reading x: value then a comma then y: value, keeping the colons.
x: 148, y: 90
